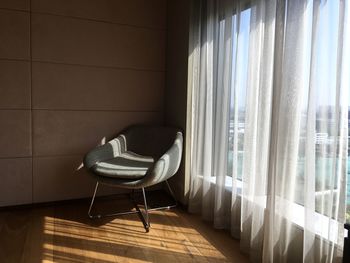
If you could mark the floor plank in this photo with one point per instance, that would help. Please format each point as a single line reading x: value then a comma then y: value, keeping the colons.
x: 63, y: 233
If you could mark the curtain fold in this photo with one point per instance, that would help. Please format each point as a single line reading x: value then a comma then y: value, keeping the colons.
x: 269, y: 124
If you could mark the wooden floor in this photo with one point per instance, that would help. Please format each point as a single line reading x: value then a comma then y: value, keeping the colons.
x: 63, y: 233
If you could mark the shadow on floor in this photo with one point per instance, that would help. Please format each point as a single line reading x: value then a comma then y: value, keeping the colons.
x: 64, y: 233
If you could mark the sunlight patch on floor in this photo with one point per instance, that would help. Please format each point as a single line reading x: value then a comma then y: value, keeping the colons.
x: 121, y: 238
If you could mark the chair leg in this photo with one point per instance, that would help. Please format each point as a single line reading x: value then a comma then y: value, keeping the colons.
x: 98, y: 216
x: 144, y: 217
x: 92, y: 203
x: 167, y: 206
x: 171, y: 193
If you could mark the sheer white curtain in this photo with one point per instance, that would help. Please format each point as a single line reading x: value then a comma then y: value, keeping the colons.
x: 270, y: 87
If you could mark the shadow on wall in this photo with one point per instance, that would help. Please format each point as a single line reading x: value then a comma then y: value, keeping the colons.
x: 66, y: 174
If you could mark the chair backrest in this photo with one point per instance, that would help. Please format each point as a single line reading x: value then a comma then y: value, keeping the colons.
x: 150, y: 140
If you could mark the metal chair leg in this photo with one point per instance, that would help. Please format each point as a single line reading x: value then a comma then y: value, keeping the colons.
x: 144, y: 218
x: 168, y: 206
x: 92, y: 203
x: 171, y: 193
x: 98, y: 216
x: 145, y: 202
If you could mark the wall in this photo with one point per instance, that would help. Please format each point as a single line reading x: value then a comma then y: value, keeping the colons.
x: 71, y: 74
x: 176, y: 80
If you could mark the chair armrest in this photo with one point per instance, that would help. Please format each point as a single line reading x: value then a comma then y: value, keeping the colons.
x: 168, y: 164
x: 107, y: 151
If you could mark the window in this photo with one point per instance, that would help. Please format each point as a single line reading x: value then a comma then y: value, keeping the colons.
x: 326, y: 140
x: 239, y: 76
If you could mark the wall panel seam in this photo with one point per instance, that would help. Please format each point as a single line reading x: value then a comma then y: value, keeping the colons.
x: 15, y: 109
x: 96, y: 66
x: 59, y: 155
x: 15, y: 59
x: 31, y: 96
x: 82, y: 65
x: 15, y: 157
x: 14, y: 10
x: 153, y: 28
x: 83, y: 110
x: 97, y: 110
x: 102, y: 21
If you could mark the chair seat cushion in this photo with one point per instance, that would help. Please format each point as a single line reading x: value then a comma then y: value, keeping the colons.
x: 128, y: 165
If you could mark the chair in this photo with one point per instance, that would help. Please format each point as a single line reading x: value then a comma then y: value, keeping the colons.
x: 137, y: 158
x: 346, y: 251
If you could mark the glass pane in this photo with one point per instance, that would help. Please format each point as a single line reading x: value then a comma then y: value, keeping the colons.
x: 239, y: 86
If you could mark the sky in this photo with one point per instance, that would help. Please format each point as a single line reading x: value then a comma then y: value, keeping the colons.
x: 325, y: 46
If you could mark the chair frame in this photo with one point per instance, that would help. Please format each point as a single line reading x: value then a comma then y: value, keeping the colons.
x: 144, y: 216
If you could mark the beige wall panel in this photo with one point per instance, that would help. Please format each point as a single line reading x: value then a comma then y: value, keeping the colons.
x: 145, y: 13
x: 14, y: 34
x: 15, y: 135
x: 15, y: 4
x: 16, y: 181
x: 68, y: 40
x: 62, y: 178
x: 57, y: 86
x: 14, y: 84
x: 75, y: 132
x: 118, y: 48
